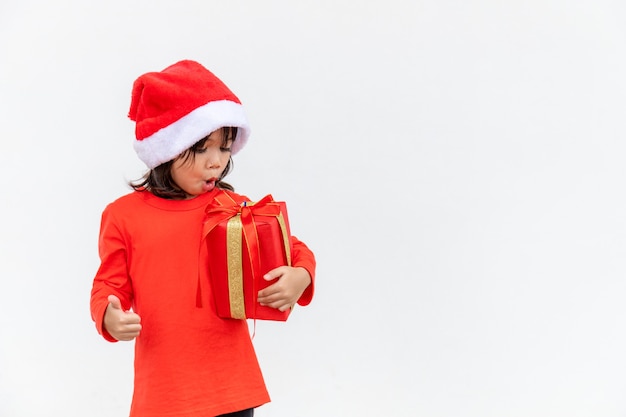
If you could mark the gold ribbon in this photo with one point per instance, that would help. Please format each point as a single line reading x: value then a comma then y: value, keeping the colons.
x: 283, y: 229
x: 235, y: 271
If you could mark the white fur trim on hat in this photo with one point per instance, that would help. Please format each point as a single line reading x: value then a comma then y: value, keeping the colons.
x: 172, y: 140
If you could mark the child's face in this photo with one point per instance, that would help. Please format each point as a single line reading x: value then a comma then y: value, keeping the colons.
x: 199, y: 173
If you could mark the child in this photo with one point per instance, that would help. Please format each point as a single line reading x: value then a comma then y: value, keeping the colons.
x: 152, y: 285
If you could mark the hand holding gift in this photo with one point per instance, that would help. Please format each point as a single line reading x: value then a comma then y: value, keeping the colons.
x: 285, y: 292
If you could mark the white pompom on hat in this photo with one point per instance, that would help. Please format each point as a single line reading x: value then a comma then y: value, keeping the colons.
x: 175, y: 108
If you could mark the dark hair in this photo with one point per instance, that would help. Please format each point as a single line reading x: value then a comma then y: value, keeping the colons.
x: 159, y: 179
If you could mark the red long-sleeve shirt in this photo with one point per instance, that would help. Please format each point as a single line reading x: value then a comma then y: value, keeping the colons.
x: 188, y: 361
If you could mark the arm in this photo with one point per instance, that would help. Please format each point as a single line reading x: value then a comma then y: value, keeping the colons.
x: 111, y: 294
x: 295, y: 283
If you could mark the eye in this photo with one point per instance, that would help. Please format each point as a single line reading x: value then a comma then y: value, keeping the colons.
x: 226, y: 146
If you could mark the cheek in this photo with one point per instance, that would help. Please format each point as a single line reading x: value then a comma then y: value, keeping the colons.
x: 180, y: 171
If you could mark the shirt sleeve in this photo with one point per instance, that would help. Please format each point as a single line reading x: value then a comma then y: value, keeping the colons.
x: 303, y: 257
x: 112, y: 277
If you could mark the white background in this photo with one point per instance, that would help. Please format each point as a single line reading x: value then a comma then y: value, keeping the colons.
x: 457, y: 167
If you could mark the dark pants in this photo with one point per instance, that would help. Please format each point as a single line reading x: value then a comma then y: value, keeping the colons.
x: 243, y: 413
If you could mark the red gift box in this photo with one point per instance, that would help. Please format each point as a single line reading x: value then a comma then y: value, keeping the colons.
x: 245, y: 241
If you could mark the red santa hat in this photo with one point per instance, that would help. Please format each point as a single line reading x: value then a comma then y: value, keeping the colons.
x: 175, y: 108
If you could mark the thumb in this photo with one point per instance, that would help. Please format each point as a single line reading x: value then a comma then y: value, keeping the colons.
x: 115, y: 302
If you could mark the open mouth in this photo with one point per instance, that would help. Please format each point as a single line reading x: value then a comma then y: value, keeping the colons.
x: 209, y: 184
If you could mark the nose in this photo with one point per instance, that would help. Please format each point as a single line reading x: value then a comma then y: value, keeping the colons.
x: 212, y: 159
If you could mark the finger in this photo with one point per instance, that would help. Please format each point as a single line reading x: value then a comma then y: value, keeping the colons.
x: 129, y: 331
x: 126, y: 336
x: 268, y: 297
x: 286, y: 307
x: 281, y: 305
x: 132, y: 329
x: 267, y: 292
x: 274, y: 273
x: 276, y: 300
x: 115, y: 302
x: 273, y: 288
x: 131, y: 319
